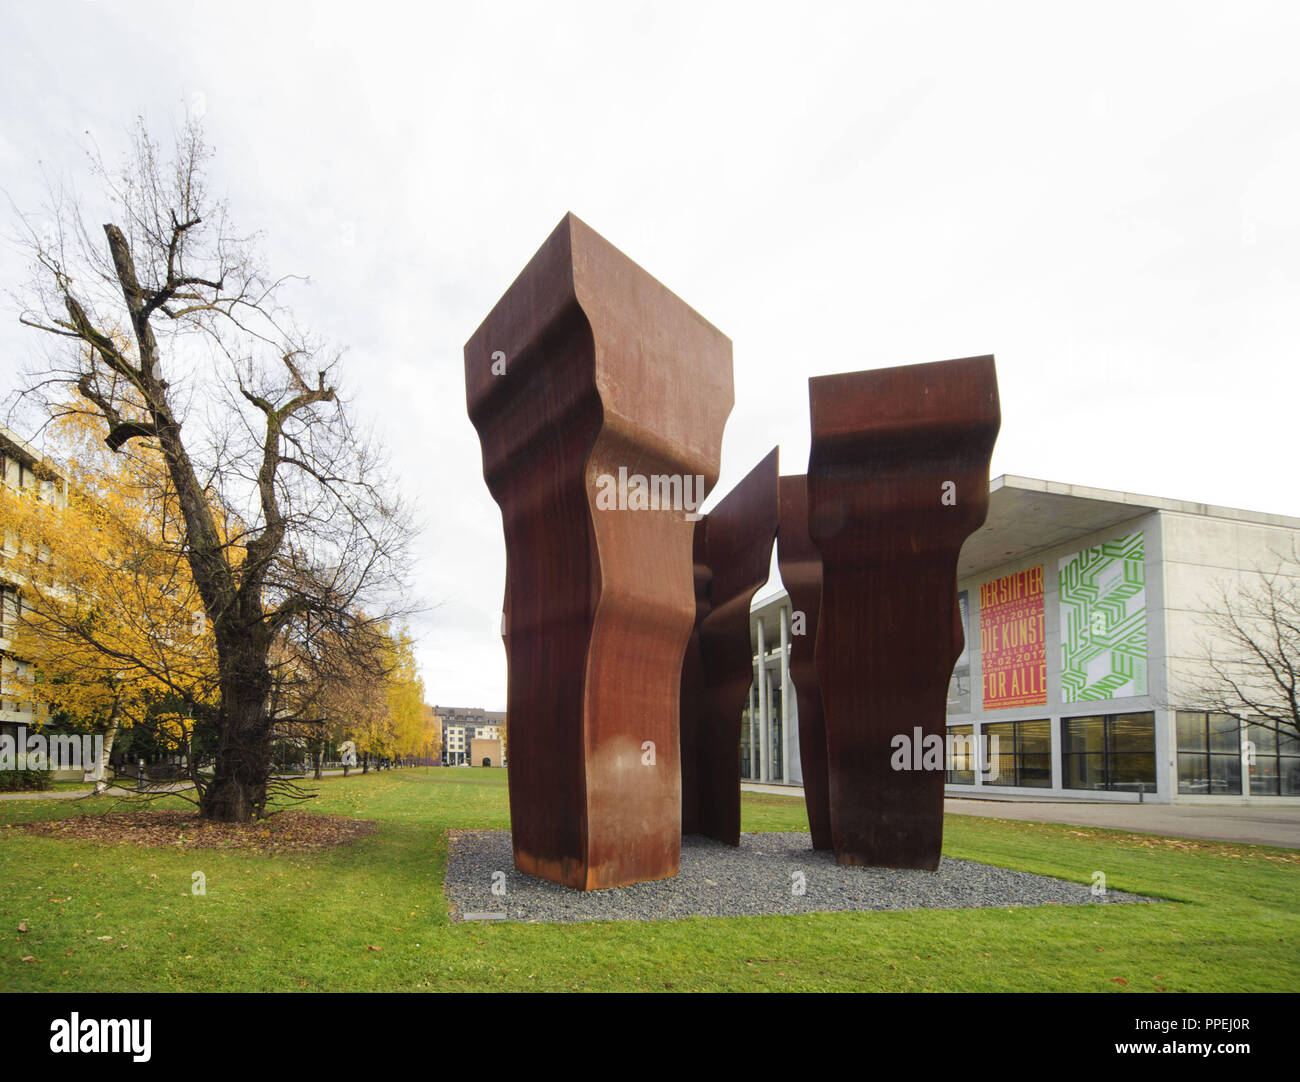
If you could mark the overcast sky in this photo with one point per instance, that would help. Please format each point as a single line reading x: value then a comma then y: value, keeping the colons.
x: 1106, y: 197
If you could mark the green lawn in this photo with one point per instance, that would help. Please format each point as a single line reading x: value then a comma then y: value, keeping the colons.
x: 306, y: 921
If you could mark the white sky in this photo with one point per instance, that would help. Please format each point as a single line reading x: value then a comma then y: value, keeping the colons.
x: 1106, y: 197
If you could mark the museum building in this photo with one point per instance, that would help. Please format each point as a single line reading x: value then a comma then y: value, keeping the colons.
x: 1086, y: 626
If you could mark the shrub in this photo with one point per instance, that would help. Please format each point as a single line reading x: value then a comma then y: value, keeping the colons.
x: 14, y: 781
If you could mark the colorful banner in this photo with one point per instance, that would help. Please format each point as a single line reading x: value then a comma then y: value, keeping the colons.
x: 1012, y: 646
x: 1104, y: 621
x: 959, y: 685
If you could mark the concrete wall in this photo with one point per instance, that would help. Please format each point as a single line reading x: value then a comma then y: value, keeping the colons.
x: 1202, y: 556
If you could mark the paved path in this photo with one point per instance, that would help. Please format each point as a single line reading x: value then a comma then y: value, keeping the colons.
x: 1252, y: 824
x: 76, y: 794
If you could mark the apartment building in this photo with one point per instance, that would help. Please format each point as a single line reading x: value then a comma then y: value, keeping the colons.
x: 463, y: 725
x: 21, y: 467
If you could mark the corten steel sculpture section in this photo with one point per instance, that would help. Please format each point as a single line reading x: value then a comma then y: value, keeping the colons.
x: 692, y: 706
x: 599, y: 398
x: 898, y: 478
x: 801, y: 572
x: 733, y: 554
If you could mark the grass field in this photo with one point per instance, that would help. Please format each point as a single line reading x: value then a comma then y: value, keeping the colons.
x: 122, y: 917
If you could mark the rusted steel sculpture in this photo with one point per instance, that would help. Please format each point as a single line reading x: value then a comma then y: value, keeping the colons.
x: 898, y: 478
x: 801, y: 572
x: 692, y: 696
x: 599, y: 398
x: 731, y: 565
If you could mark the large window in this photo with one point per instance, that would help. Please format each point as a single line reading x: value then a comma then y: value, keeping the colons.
x: 10, y: 610
x: 1113, y: 752
x: 1209, y: 754
x: 1024, y: 752
x: 961, y: 755
x: 1276, y: 770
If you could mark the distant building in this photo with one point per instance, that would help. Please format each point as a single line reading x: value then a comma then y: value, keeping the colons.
x: 462, y: 725
x: 21, y: 467
x: 485, y: 752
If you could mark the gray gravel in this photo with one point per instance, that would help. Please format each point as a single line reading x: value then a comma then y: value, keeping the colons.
x: 760, y: 877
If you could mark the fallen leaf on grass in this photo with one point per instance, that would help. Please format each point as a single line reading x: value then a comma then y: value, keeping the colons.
x: 22, y: 927
x: 374, y: 948
x: 1120, y: 980
x: 286, y: 832
x: 28, y: 958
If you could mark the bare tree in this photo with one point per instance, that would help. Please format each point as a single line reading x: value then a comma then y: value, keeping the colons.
x: 285, y: 517
x: 1251, y: 649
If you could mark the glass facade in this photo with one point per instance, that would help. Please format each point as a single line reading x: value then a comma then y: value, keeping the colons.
x: 776, y: 767
x: 747, y: 720
x: 1276, y: 767
x: 1024, y: 752
x: 1110, y: 752
x: 960, y: 755
x: 1209, y: 754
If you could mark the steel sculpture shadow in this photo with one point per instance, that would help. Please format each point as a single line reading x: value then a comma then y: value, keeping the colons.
x: 898, y: 478
x: 733, y: 555
x: 599, y: 397
x: 801, y: 571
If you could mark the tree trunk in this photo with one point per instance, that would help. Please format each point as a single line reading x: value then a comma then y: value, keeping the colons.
x: 318, y: 756
x: 101, y: 767
x: 237, y: 792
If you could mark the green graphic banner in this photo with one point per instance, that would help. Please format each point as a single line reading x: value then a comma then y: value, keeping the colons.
x: 1104, y: 621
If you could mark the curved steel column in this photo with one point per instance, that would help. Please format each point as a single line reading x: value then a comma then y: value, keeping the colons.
x: 737, y: 552
x: 898, y: 478
x: 586, y: 367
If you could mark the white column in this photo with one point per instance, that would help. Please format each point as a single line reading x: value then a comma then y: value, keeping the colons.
x: 763, y: 705
x: 785, y: 693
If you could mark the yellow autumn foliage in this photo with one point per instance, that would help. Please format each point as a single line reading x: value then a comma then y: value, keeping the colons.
x: 110, y: 619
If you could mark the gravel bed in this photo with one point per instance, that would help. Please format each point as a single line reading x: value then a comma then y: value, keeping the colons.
x: 763, y: 876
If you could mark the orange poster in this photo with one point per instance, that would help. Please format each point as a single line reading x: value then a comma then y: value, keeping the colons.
x: 1012, y: 648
